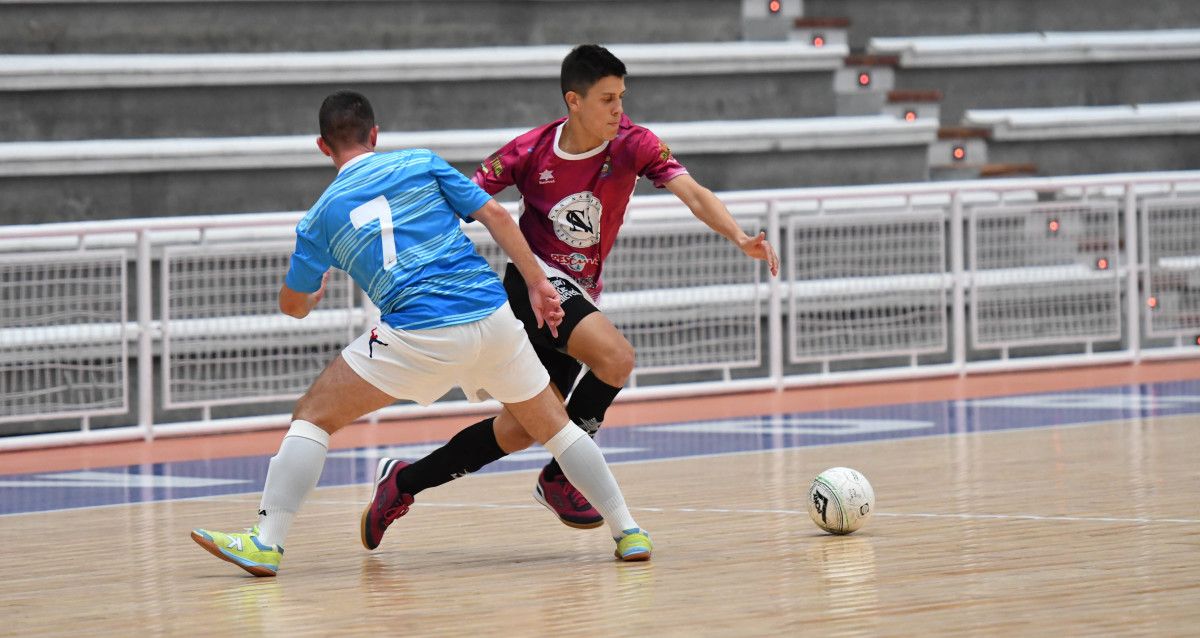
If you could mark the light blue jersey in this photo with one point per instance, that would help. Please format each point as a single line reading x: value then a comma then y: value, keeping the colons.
x: 391, y: 220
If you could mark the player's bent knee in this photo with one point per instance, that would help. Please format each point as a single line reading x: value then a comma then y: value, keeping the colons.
x: 617, y: 365
x: 309, y: 409
x: 510, y: 434
x: 513, y: 438
x: 541, y: 417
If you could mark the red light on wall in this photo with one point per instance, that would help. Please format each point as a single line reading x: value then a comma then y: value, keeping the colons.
x: 1102, y: 264
x: 774, y: 6
x: 1053, y: 226
x: 959, y: 153
x: 818, y: 41
x: 864, y: 78
x: 1152, y: 302
x: 910, y: 116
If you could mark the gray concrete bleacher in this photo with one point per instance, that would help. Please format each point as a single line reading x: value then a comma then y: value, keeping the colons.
x: 1048, y: 69
x: 183, y: 26
x: 875, y: 18
x: 140, y: 96
x: 107, y: 179
x: 1098, y: 139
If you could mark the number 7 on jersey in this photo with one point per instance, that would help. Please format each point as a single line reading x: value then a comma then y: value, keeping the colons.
x: 378, y: 208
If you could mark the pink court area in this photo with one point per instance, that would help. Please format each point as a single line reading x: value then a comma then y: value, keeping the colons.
x: 804, y: 399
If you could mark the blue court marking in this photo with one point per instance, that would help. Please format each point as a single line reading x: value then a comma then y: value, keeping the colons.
x: 24, y: 493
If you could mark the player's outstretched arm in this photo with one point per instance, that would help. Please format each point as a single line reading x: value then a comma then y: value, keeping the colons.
x: 709, y: 209
x: 543, y: 297
x: 299, y: 304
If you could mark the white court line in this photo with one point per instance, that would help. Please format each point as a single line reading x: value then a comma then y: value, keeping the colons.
x: 254, y: 497
x: 710, y: 455
x: 714, y: 510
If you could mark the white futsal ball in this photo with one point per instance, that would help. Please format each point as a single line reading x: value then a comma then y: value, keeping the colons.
x: 840, y: 500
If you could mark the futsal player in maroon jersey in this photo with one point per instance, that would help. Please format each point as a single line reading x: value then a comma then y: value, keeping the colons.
x: 575, y: 176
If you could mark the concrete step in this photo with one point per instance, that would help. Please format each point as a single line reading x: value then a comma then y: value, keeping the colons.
x: 958, y: 153
x: 147, y: 96
x: 914, y: 104
x: 863, y: 83
x: 820, y: 32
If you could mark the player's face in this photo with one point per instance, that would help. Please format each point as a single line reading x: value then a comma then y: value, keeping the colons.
x: 599, y: 112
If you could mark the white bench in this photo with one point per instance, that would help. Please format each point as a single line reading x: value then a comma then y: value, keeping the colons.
x: 92, y: 157
x: 1040, y: 48
x: 1178, y: 118
x: 75, y: 71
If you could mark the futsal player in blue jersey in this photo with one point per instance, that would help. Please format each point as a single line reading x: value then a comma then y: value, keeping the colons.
x: 391, y: 220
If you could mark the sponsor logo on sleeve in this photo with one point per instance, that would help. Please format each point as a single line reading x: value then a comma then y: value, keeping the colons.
x: 497, y: 165
x: 664, y: 151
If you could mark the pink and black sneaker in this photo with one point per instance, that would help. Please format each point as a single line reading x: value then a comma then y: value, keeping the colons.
x: 387, y: 502
x: 567, y: 503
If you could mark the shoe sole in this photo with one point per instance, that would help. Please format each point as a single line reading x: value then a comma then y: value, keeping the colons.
x: 381, y: 472
x: 635, y: 557
x: 212, y: 548
x: 537, y: 496
x: 362, y: 528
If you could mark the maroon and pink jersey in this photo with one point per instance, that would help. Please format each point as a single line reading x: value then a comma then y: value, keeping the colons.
x: 573, y: 205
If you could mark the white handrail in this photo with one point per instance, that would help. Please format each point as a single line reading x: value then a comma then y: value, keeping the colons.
x: 666, y: 206
x: 953, y: 201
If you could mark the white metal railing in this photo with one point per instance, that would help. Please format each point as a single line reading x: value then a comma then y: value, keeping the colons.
x: 880, y: 282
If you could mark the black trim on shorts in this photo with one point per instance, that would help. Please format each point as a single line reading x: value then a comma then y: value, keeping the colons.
x: 551, y: 351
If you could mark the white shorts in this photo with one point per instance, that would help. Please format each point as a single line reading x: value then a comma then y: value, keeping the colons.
x: 489, y: 358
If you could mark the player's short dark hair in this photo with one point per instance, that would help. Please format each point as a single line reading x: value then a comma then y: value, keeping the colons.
x: 586, y: 65
x: 346, y: 118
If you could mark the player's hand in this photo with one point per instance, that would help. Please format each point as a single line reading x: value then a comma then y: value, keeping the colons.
x: 547, y: 307
x: 316, y: 297
x: 759, y: 248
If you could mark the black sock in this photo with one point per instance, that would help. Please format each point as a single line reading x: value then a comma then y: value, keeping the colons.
x: 472, y: 448
x: 586, y: 407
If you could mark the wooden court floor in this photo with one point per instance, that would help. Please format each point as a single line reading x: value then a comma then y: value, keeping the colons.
x: 1076, y: 530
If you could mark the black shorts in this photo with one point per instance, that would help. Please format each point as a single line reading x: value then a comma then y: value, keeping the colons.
x: 552, y: 351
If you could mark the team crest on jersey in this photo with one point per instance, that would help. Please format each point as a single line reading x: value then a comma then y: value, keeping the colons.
x: 606, y: 168
x: 576, y: 219
x: 664, y: 151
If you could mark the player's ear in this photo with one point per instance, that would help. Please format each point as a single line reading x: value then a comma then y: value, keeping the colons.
x: 573, y: 101
x: 374, y: 135
x: 325, y: 150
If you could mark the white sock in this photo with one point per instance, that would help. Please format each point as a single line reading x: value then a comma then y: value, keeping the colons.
x: 584, y: 465
x: 292, y: 474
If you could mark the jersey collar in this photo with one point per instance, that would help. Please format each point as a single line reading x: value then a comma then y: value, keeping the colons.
x: 354, y: 160
x: 568, y: 156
